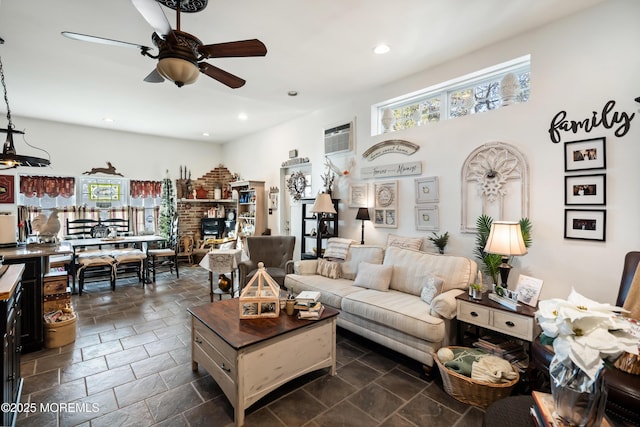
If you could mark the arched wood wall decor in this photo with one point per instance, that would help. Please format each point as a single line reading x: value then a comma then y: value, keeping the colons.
x: 495, y: 182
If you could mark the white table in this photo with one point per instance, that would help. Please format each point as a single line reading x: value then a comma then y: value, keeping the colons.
x: 221, y: 261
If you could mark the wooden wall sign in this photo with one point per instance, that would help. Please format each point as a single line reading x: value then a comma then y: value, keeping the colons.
x: 391, y: 146
x: 397, y: 169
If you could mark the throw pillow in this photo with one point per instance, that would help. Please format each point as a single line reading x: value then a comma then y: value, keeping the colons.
x: 330, y: 269
x: 358, y: 254
x: 414, y: 243
x: 373, y: 276
x: 432, y: 287
x: 337, y: 248
x: 228, y: 245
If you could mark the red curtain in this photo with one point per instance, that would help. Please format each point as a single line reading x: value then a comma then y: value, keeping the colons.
x: 145, y: 188
x: 52, y: 186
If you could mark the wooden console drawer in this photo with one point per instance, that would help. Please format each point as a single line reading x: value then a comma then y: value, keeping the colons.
x: 513, y: 324
x: 473, y: 313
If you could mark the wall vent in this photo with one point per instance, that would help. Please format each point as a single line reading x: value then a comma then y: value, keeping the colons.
x: 338, y: 139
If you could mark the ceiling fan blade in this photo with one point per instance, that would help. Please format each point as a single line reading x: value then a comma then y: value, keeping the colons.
x: 102, y: 40
x: 253, y: 47
x: 152, y: 12
x: 154, y: 77
x: 222, y: 76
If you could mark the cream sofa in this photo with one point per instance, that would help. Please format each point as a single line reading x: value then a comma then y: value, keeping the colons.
x: 397, y: 318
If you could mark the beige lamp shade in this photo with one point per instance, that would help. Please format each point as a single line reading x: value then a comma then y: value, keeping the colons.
x: 505, y: 238
x: 323, y: 204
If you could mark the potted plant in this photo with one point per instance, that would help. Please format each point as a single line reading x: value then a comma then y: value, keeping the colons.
x: 475, y: 290
x: 440, y: 241
x: 492, y: 262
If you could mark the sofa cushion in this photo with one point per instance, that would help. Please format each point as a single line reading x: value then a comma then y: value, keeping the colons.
x: 330, y: 269
x: 412, y: 267
x: 373, y: 276
x: 331, y: 291
x: 414, y: 243
x: 358, y: 254
x: 398, y: 310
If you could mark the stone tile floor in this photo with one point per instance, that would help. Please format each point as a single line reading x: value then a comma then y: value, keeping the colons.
x: 131, y: 366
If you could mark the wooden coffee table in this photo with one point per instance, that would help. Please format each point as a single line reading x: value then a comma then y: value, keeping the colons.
x: 249, y: 358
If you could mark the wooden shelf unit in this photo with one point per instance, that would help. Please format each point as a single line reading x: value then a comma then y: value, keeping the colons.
x: 252, y: 208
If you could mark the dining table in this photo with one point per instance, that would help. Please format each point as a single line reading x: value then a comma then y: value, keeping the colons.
x: 221, y: 261
x: 109, y: 243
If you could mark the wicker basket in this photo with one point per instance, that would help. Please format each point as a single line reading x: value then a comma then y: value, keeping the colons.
x: 476, y: 393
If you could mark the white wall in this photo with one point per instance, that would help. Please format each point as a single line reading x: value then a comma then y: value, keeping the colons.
x: 76, y: 149
x: 578, y: 64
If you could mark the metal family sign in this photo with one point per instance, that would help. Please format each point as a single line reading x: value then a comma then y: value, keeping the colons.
x: 397, y: 169
x: 620, y: 121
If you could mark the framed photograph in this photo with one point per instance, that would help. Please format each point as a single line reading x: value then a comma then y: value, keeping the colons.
x: 585, y: 224
x: 585, y: 154
x: 427, y: 218
x: 585, y: 189
x: 358, y: 195
x: 104, y: 192
x: 528, y: 290
x: 386, y: 204
x: 427, y: 189
x: 6, y: 189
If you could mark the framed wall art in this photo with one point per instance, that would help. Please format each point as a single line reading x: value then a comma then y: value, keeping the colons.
x: 585, y: 224
x: 427, y: 218
x: 386, y: 204
x: 6, y: 189
x: 427, y: 189
x: 585, y: 189
x: 585, y: 154
x: 358, y: 195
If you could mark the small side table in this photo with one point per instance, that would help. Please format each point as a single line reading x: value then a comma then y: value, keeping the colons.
x: 221, y: 261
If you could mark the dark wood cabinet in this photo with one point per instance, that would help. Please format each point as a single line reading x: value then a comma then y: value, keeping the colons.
x: 10, y: 314
x: 31, y: 321
x: 315, y: 234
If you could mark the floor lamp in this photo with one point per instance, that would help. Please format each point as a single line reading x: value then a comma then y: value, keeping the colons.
x: 321, y: 207
x: 505, y: 239
x: 363, y: 214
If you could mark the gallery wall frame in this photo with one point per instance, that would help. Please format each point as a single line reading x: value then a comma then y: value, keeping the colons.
x: 385, y: 213
x: 585, y: 189
x: 585, y: 224
x: 585, y: 154
x: 427, y: 190
x: 427, y: 218
x: 358, y: 195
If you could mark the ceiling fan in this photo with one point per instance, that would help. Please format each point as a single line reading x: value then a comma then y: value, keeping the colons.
x: 181, y: 55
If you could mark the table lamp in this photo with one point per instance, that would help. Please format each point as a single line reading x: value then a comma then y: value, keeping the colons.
x: 322, y: 206
x: 505, y: 239
x: 363, y: 214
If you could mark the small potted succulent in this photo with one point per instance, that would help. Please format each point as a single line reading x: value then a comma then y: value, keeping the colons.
x: 475, y: 290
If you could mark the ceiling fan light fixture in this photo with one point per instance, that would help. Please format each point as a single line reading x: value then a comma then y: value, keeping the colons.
x: 179, y: 71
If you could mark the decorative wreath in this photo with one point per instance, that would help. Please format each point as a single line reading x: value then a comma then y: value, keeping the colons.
x: 296, y: 185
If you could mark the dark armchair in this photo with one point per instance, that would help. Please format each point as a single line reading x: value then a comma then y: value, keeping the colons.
x: 276, y: 252
x: 623, y: 400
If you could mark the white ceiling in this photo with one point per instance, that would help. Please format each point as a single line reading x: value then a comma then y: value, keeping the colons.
x: 322, y: 49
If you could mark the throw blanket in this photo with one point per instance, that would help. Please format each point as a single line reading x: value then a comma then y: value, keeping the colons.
x: 492, y: 369
x: 337, y: 248
x: 632, y: 303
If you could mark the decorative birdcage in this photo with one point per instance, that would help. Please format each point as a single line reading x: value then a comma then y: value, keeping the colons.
x: 261, y: 297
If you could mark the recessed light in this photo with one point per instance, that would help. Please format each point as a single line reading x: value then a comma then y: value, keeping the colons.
x: 108, y: 120
x: 292, y: 93
x: 381, y: 49
x: 242, y: 116
x: 205, y: 134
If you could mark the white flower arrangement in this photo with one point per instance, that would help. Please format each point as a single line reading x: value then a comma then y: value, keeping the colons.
x: 585, y: 331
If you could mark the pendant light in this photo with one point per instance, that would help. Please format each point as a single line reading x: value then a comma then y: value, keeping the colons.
x: 9, y: 159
